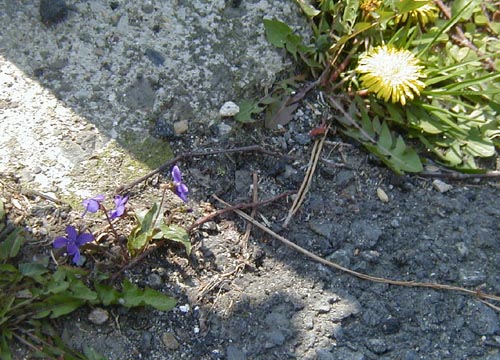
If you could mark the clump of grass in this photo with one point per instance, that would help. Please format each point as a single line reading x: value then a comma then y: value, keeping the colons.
x: 406, y: 72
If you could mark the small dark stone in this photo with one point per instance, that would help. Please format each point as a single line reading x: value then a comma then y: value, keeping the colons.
x: 156, y: 28
x: 258, y: 256
x: 155, y: 56
x: 276, y: 168
x: 114, y: 5
x: 39, y: 72
x: 391, y: 326
x: 53, y: 11
x: 163, y: 129
x: 377, y: 346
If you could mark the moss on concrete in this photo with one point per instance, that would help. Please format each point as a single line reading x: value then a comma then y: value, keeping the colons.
x: 115, y: 165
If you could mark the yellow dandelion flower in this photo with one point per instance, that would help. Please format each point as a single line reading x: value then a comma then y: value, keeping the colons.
x: 423, y: 15
x: 392, y: 74
x: 370, y: 5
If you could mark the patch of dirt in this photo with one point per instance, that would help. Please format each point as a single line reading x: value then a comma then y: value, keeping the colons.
x: 255, y: 298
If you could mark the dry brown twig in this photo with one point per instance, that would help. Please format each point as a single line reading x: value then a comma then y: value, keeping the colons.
x: 306, y: 183
x: 255, y: 199
x: 483, y: 297
x: 238, y: 206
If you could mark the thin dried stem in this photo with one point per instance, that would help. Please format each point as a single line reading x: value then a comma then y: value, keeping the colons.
x: 306, y: 183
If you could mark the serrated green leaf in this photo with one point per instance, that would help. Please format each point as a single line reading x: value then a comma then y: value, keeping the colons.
x: 277, y: 32
x: 107, y: 294
x: 477, y: 145
x: 394, y: 153
x: 73, y: 273
x: 385, y: 137
x: 247, y: 109
x: 400, y: 146
x: 10, y: 247
x: 158, y: 300
x: 294, y: 45
x: 131, y: 294
x: 351, y: 11
x: 66, y: 307
x: 308, y: 9
x: 453, y: 155
x: 81, y: 291
x: 34, y: 271
x: 56, y: 286
x: 422, y: 121
x: 56, y: 305
x: 177, y: 233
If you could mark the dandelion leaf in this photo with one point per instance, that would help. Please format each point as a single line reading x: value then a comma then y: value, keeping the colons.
x: 277, y: 32
x: 134, y: 296
x: 308, y: 9
x: 391, y: 151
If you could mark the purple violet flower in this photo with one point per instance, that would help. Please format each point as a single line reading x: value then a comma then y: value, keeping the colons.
x: 73, y: 242
x: 180, y: 188
x: 92, y: 205
x: 120, y: 202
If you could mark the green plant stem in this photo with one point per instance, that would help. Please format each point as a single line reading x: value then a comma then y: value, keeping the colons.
x: 160, y: 207
x: 115, y: 233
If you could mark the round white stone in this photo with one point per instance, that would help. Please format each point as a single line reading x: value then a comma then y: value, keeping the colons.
x: 229, y: 109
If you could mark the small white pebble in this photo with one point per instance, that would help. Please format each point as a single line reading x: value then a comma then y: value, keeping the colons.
x: 184, y: 308
x: 224, y: 129
x: 98, y: 316
x: 196, y: 330
x: 382, y: 196
x: 180, y: 127
x: 441, y: 186
x: 229, y: 109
